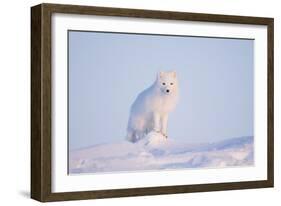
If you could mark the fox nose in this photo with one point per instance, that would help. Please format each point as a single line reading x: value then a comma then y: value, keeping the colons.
x: 167, y: 90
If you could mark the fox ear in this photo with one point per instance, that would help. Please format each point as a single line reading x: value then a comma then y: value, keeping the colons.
x: 174, y: 74
x: 160, y: 75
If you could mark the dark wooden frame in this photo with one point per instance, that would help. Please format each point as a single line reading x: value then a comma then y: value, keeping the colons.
x: 41, y: 101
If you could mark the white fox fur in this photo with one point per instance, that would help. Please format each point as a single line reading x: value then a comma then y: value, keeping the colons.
x: 150, y: 110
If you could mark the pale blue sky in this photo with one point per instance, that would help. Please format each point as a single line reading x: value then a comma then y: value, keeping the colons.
x: 108, y: 70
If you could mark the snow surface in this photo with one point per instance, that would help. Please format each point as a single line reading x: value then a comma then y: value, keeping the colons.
x: 155, y: 152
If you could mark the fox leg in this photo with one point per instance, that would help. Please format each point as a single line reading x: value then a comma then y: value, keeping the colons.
x: 156, y: 122
x: 164, y: 124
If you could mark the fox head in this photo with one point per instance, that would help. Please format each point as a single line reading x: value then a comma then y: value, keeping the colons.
x: 167, y: 82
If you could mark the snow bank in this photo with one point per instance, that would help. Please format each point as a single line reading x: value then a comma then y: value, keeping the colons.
x: 156, y: 152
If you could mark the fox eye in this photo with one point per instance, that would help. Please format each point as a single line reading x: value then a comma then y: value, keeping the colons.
x: 164, y: 83
x: 171, y: 83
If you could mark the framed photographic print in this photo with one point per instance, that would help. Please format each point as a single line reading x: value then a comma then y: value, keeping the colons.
x: 128, y: 102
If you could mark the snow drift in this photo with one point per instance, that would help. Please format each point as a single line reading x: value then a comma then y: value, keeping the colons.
x: 155, y: 152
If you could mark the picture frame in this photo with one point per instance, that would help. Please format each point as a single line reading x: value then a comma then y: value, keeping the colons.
x: 43, y: 87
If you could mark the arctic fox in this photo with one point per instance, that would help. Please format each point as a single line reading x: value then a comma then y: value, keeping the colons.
x: 150, y: 110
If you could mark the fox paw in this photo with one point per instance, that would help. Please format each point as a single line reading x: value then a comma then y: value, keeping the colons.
x: 165, y: 135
